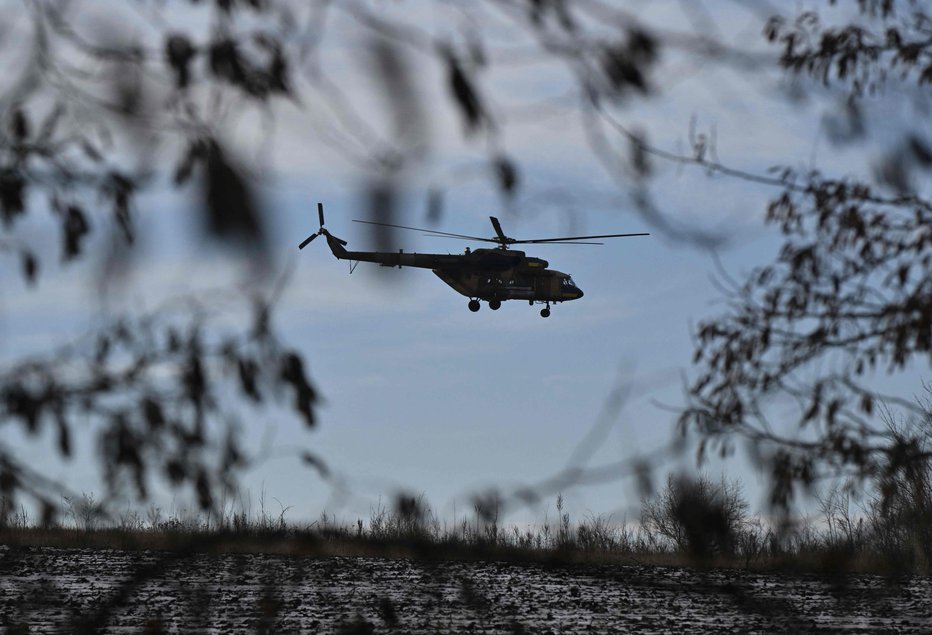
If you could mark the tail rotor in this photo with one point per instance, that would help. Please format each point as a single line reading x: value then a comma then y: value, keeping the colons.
x: 309, y: 239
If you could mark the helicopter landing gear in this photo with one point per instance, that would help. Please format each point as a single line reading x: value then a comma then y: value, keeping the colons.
x: 474, y: 305
x: 545, y: 312
x: 495, y: 305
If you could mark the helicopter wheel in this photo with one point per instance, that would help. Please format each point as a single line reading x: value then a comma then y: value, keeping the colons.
x: 495, y: 305
x: 545, y: 312
x: 474, y: 305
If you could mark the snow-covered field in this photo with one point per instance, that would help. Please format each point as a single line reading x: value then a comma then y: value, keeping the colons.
x: 50, y: 589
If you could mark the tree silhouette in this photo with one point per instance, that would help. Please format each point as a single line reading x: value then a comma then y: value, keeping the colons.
x: 94, y: 117
x: 847, y: 299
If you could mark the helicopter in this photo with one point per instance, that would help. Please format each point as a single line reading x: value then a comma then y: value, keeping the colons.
x: 491, y: 275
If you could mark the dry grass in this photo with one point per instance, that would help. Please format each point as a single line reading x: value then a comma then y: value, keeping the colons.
x: 309, y: 543
x: 412, y: 530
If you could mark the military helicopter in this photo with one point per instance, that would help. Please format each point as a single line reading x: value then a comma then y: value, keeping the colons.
x: 491, y: 275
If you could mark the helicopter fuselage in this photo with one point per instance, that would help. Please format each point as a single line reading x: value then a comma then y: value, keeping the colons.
x: 484, y: 274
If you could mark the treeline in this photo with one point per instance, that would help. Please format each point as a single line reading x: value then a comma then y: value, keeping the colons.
x: 690, y: 521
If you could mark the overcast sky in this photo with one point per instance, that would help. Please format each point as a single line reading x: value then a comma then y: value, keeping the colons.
x: 421, y: 395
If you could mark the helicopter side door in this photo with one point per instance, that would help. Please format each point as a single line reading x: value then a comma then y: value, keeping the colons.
x: 519, y: 286
x: 544, y: 286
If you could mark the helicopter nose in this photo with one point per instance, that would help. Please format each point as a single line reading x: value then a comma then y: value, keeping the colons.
x: 579, y: 293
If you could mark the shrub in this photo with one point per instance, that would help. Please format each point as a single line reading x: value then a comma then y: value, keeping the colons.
x: 697, y: 516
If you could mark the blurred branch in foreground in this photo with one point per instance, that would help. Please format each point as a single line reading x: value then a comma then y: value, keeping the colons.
x: 164, y: 394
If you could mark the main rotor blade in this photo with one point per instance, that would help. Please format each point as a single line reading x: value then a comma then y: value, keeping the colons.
x: 498, y: 242
x: 421, y: 229
x: 472, y: 238
x: 320, y: 213
x: 559, y: 242
x: 498, y: 230
x: 308, y: 240
x: 569, y: 238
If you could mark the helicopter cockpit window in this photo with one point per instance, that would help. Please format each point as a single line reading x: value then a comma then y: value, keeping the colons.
x: 568, y: 282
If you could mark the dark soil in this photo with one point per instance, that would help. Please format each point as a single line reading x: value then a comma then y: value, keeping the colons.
x: 48, y: 589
